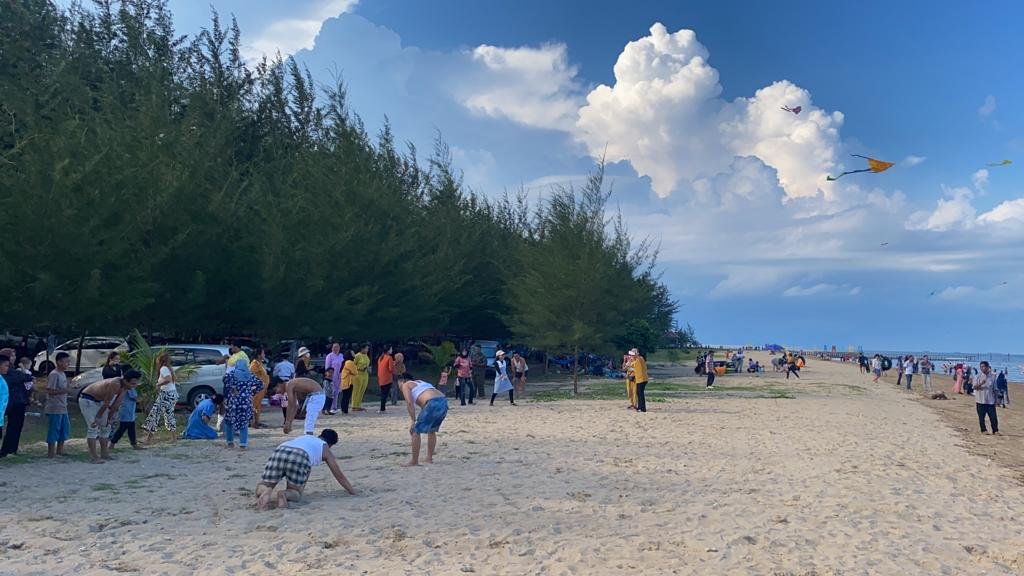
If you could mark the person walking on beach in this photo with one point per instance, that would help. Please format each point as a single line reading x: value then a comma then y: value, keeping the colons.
x: 709, y: 368
x: 385, y: 377
x: 292, y: 461
x: 908, y: 369
x: 199, y: 421
x: 985, y: 398
x: 332, y: 368
x: 958, y: 379
x: 519, y: 370
x: 56, y: 408
x: 19, y: 388
x: 166, y: 400
x: 479, y: 363
x: 639, y: 376
x: 433, y: 409
x: 926, y: 368
x: 1002, y: 389
x: 100, y: 402
x: 502, y: 383
x: 464, y: 372
x: 299, y: 391
x: 876, y: 367
x: 362, y: 380
x: 259, y: 370
x: 899, y: 371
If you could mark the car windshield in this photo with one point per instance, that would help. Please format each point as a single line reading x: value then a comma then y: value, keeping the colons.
x: 488, y: 350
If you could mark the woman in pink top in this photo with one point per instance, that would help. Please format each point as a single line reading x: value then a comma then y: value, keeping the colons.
x: 464, y: 371
x: 958, y: 381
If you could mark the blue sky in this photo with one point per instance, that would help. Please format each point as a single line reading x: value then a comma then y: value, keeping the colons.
x: 754, y: 242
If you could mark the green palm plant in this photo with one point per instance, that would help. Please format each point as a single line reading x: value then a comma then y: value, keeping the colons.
x: 144, y: 359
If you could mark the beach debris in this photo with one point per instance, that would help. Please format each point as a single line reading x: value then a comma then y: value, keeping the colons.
x: 466, y: 568
x: 711, y: 549
x: 794, y: 110
x: 939, y: 396
x: 874, y: 165
x: 1002, y: 163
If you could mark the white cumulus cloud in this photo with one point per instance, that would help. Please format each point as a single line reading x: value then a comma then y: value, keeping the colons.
x: 290, y: 35
x: 664, y: 114
x: 1010, y: 211
x: 533, y: 86
x: 953, y: 211
x: 911, y: 161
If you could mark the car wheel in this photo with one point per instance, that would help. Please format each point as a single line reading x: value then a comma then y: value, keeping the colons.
x: 45, y: 367
x: 198, y: 394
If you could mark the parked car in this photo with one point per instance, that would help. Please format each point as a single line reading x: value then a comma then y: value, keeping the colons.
x: 206, y: 382
x: 94, y: 353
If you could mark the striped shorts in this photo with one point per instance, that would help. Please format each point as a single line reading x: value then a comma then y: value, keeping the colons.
x: 289, y: 463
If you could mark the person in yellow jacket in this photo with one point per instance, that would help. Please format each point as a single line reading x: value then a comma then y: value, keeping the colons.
x: 362, y: 360
x: 627, y: 370
x: 639, y: 378
x: 348, y: 379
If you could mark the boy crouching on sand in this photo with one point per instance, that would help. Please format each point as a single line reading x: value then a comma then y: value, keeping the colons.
x: 293, y: 461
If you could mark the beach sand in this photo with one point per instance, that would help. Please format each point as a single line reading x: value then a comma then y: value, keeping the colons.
x: 846, y: 477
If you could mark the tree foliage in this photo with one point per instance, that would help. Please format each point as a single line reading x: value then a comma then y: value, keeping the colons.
x: 154, y: 181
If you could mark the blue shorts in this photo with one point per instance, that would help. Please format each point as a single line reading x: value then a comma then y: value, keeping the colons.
x: 878, y: 372
x: 58, y: 429
x: 431, y: 415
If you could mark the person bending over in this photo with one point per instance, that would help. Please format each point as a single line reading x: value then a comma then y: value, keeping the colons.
x: 299, y: 390
x: 433, y: 409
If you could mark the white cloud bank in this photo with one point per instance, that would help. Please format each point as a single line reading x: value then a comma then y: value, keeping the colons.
x: 290, y: 35
x: 664, y: 114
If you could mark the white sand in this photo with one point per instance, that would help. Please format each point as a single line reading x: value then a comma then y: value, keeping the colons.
x: 837, y: 481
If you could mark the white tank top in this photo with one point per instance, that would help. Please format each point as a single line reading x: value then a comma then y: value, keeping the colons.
x: 420, y: 388
x: 313, y: 446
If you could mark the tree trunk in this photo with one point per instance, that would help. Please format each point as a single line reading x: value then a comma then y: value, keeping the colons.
x: 546, y: 360
x: 78, y: 359
x: 575, y: 370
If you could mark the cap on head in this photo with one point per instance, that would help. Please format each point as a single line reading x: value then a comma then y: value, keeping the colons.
x: 303, y: 352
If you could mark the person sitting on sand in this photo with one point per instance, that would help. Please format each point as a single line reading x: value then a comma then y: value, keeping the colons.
x: 100, y: 403
x: 293, y: 461
x: 199, y: 427
x: 433, y: 409
x: 299, y: 390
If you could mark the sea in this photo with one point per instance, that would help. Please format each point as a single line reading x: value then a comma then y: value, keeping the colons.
x: 1013, y: 364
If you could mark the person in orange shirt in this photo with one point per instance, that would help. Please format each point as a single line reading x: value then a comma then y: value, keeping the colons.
x: 348, y: 379
x: 385, y: 376
x: 260, y: 371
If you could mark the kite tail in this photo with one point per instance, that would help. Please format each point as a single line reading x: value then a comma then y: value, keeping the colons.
x: 831, y: 179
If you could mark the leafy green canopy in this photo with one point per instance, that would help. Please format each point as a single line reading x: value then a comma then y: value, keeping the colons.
x: 154, y: 181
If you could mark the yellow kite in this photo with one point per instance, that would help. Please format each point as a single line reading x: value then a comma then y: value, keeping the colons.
x: 875, y: 166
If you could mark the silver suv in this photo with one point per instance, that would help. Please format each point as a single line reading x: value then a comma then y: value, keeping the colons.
x: 206, y: 382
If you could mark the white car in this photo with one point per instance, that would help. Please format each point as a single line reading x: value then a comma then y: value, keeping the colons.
x: 94, y: 353
x: 207, y: 381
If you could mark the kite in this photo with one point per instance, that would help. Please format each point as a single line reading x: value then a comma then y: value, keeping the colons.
x: 794, y: 110
x: 1003, y: 163
x: 885, y: 243
x: 875, y: 166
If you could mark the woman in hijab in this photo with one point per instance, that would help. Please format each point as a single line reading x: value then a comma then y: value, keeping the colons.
x: 239, y: 386
x: 502, y: 382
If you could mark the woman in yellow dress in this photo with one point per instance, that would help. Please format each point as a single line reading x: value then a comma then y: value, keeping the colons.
x: 362, y: 361
x: 627, y: 371
x: 260, y: 371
